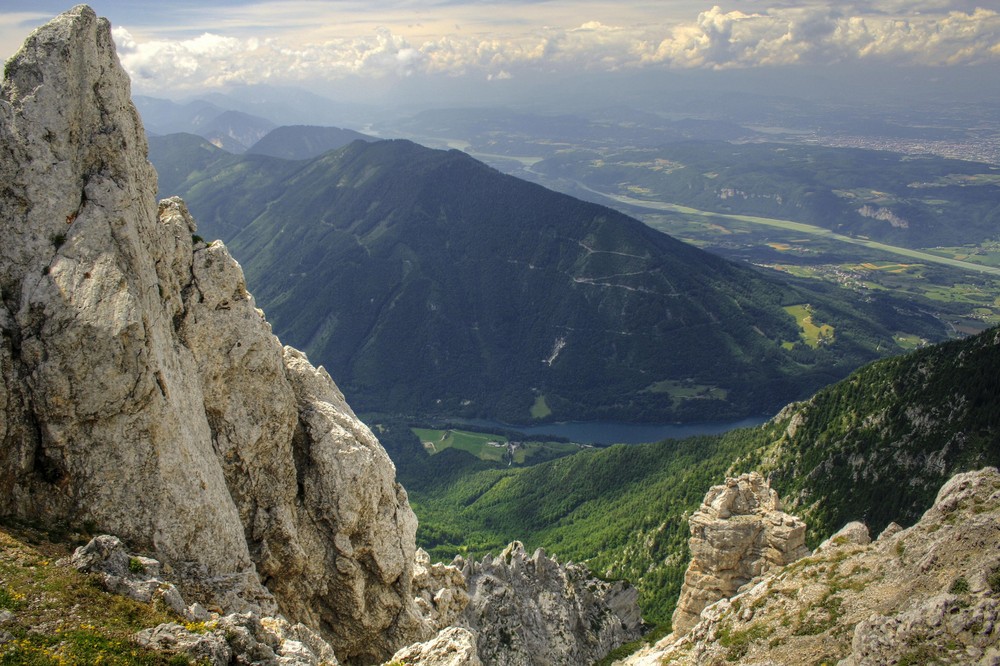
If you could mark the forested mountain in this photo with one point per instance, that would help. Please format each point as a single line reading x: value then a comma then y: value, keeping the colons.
x: 427, y: 282
x: 231, y: 130
x: 874, y: 447
x: 302, y: 142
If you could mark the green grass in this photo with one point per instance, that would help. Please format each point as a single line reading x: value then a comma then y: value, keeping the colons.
x: 540, y: 409
x: 909, y: 342
x: 686, y: 390
x: 64, y: 617
x: 481, y: 445
x: 485, y: 446
x: 813, y: 335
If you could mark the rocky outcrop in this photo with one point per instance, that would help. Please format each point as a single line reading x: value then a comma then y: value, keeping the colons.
x: 237, y: 638
x: 535, y: 611
x: 926, y: 594
x: 738, y: 534
x: 455, y: 646
x: 142, y: 391
x: 440, y: 591
x: 129, y: 575
x: 241, y: 638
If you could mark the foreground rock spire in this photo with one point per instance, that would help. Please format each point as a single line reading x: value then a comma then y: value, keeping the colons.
x: 928, y: 594
x: 738, y: 534
x: 144, y: 393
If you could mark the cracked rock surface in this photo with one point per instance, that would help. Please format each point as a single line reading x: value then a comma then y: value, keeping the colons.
x: 142, y: 390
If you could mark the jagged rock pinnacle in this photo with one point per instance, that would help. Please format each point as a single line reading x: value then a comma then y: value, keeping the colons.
x: 143, y: 392
x: 738, y: 534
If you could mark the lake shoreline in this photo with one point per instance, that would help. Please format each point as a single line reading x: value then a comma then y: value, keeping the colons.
x: 604, y: 433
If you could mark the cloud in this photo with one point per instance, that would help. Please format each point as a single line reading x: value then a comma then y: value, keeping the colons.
x: 803, y: 33
x: 14, y: 27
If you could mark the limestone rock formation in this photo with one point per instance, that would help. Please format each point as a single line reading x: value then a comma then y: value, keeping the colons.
x: 440, y: 591
x: 738, y: 534
x: 143, y: 391
x: 237, y: 638
x: 241, y: 638
x: 535, y: 611
x: 926, y: 594
x: 455, y: 646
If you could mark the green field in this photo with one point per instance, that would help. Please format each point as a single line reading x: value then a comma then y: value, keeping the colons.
x: 909, y: 342
x: 812, y: 334
x: 967, y: 300
x: 492, y: 447
x: 541, y: 408
x: 799, y: 227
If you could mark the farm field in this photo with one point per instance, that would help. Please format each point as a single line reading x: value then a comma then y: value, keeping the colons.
x: 492, y: 447
x: 964, y: 297
x: 812, y: 334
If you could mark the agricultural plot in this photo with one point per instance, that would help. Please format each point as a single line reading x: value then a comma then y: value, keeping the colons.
x: 812, y: 334
x: 686, y: 390
x: 492, y: 447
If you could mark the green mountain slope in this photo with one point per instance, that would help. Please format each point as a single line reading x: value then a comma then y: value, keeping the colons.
x: 875, y: 447
x: 427, y: 282
x: 302, y: 142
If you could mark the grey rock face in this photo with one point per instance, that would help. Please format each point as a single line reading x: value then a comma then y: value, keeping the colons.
x: 143, y: 391
x: 242, y: 638
x: 738, y: 534
x: 454, y: 646
x: 440, y: 591
x: 535, y: 611
x: 926, y: 594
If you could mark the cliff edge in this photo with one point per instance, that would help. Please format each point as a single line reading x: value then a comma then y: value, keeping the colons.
x: 143, y: 392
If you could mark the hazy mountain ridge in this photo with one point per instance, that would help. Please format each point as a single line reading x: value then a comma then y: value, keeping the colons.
x: 482, y: 294
x: 226, y: 128
x: 303, y: 142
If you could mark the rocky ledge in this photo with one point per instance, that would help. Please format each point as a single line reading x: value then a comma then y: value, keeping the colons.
x: 926, y: 594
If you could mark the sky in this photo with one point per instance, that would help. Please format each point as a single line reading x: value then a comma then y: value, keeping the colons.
x: 184, y: 46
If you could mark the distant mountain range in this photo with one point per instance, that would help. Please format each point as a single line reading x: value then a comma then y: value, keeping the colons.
x: 215, y: 120
x: 234, y: 131
x: 302, y: 142
x: 427, y: 282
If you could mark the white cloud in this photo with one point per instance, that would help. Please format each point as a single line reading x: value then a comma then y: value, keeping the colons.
x: 717, y: 39
x: 14, y: 27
